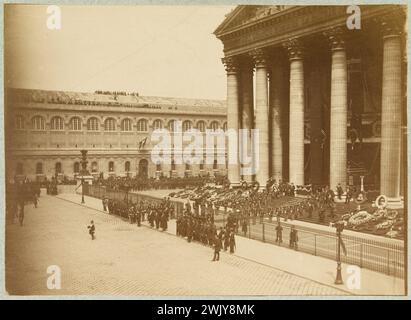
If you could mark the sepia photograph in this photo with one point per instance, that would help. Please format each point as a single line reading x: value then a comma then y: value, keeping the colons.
x: 242, y: 150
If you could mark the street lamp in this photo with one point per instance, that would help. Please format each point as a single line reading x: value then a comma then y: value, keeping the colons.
x: 339, y: 228
x: 82, y: 191
x: 83, y: 172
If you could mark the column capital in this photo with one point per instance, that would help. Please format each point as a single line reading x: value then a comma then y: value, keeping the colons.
x: 231, y: 64
x: 294, y: 49
x: 336, y: 38
x: 259, y: 57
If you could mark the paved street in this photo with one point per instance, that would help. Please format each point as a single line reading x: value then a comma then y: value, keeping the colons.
x: 127, y: 260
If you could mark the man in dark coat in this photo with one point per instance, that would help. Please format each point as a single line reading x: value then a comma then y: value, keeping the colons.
x: 293, y: 238
x: 217, y: 248
x: 279, y: 233
x: 232, y: 242
x: 244, y: 226
x: 340, y: 191
x: 226, y: 239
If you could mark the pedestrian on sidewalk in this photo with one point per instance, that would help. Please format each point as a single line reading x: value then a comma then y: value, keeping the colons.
x: 91, y: 229
x: 244, y: 226
x: 279, y: 233
x: 105, y: 203
x: 293, y: 238
x: 232, y: 241
x: 35, y: 200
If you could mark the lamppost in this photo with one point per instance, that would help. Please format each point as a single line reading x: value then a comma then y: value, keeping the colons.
x: 339, y: 228
x: 83, y: 172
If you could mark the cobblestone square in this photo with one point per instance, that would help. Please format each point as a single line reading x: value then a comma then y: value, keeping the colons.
x: 127, y: 260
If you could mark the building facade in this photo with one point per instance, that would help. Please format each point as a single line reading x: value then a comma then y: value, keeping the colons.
x: 327, y: 94
x: 46, y: 130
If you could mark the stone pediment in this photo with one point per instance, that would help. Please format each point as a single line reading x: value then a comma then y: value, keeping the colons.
x: 245, y: 14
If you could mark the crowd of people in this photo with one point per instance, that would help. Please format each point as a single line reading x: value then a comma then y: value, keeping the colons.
x: 197, y: 224
x: 19, y: 194
x: 139, y: 183
x: 157, y: 213
x: 249, y: 203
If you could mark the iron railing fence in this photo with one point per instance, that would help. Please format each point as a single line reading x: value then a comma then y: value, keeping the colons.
x: 385, y: 255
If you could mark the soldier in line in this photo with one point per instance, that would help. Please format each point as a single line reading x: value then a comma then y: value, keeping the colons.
x: 217, y: 248
x: 157, y: 218
x: 138, y: 216
x: 226, y: 239
x: 131, y: 214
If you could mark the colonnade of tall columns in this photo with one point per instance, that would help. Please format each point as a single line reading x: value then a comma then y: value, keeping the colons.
x: 264, y: 111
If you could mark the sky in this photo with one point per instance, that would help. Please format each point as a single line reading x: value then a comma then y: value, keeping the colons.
x: 165, y: 51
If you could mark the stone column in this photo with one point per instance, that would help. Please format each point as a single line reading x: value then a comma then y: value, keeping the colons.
x: 296, y: 135
x: 277, y: 101
x: 261, y: 116
x: 338, y: 109
x: 391, y: 110
x: 247, y: 103
x: 233, y: 104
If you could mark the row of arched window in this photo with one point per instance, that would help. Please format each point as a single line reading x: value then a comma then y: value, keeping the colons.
x: 94, y: 167
x: 110, y: 124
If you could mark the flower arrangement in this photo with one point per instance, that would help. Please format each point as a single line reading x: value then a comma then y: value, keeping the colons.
x: 384, y: 225
x: 360, y: 217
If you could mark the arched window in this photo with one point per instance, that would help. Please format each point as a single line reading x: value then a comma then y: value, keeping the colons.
x: 38, y: 123
x: 39, y: 168
x: 19, y: 122
x: 58, y: 167
x: 19, y: 168
x: 127, y: 166
x: 92, y: 124
x: 215, y: 165
x: 171, y: 125
x: 111, y: 166
x: 110, y: 124
x: 76, y: 167
x: 142, y: 125
x: 126, y: 125
x: 201, y: 126
x: 75, y: 124
x: 173, y: 165
x: 94, y: 166
x: 225, y: 126
x: 57, y: 123
x: 186, y: 125
x: 157, y: 124
x: 214, y: 125
x: 201, y: 166
x: 188, y: 167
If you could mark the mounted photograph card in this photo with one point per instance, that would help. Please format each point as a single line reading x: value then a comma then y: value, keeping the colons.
x: 252, y: 151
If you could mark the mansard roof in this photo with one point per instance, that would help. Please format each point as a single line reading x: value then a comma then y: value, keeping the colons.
x: 114, y: 98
